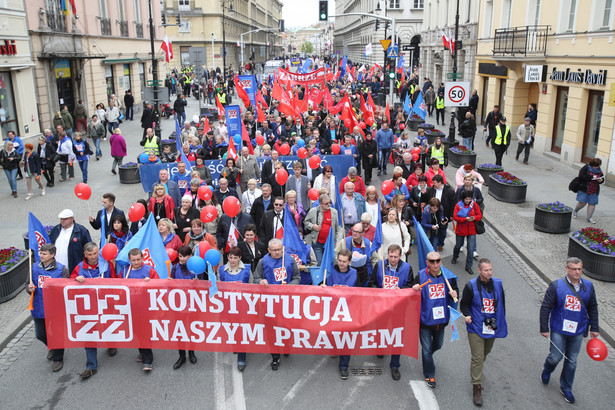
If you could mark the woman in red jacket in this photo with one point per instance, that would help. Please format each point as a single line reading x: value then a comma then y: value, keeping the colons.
x: 161, y: 204
x: 167, y: 233
x: 466, y: 213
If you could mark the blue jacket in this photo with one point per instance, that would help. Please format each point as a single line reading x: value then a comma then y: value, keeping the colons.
x: 78, y: 239
x: 20, y: 148
x: 385, y: 139
x: 403, y: 189
x: 39, y: 275
x: 359, y: 203
x: 34, y: 163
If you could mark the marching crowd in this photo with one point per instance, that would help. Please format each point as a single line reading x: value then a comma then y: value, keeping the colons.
x: 251, y: 245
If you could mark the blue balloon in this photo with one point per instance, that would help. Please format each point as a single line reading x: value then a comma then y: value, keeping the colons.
x: 144, y: 158
x: 237, y: 139
x: 300, y: 143
x: 212, y: 256
x: 196, y: 265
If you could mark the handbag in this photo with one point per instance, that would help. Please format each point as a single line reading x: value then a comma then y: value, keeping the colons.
x: 575, y: 184
x: 479, y: 226
x: 121, y: 117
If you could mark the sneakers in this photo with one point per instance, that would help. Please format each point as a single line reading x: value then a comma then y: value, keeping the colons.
x: 475, y: 255
x: 567, y: 395
x: 431, y: 382
x: 344, y: 374
x: 545, y: 377
x: 574, y: 214
x: 590, y: 220
x: 113, y: 172
x: 28, y: 197
x: 43, y: 192
x: 147, y: 367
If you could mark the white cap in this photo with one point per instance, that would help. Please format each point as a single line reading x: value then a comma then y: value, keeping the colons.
x: 67, y: 213
x: 195, y: 118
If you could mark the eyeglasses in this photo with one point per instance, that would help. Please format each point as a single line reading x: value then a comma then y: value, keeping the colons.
x: 327, y: 203
x: 434, y: 260
x: 275, y: 250
x: 328, y: 172
x: 353, y: 231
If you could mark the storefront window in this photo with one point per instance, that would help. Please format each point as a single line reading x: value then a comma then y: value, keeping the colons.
x: 560, y: 119
x: 184, y: 55
x: 127, y: 84
x: 109, y: 80
x: 142, y: 79
x: 8, y: 119
x: 502, y: 97
x: 592, y: 125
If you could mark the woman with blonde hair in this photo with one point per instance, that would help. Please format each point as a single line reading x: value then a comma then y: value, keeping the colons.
x: 167, y: 234
x: 395, y: 232
x: 161, y: 204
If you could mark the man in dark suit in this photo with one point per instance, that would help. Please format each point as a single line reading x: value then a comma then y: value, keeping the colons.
x: 110, y: 212
x: 251, y: 250
x: 272, y: 224
x: 147, y: 118
x: 300, y: 184
x: 268, y: 166
x: 407, y: 166
x: 224, y: 191
x: 224, y: 225
x: 262, y: 204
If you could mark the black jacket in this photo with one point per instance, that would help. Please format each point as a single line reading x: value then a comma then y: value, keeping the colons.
x: 224, y: 225
x: 585, y: 177
x: 147, y: 118
x: 258, y: 208
x: 179, y: 105
x: 96, y: 223
x: 369, y: 147
x: 266, y: 226
x: 247, y: 257
x: 493, y: 119
x: 268, y: 169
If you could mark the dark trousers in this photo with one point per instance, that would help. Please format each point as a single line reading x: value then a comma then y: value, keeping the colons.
x: 130, y: 113
x: 499, y: 153
x: 491, y: 135
x: 344, y: 362
x: 147, y: 356
x: 48, y: 172
x: 431, y: 341
x: 182, y: 353
x: 439, y: 114
x: 40, y: 332
x: 525, y: 147
x: 368, y: 171
x: 430, y: 109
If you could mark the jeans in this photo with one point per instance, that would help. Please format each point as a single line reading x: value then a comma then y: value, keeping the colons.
x: 147, y: 356
x: 91, y: 358
x: 570, y: 345
x: 319, y: 249
x: 41, y: 334
x: 111, y: 126
x: 117, y: 161
x: 442, y: 236
x: 471, y: 247
x: 434, y: 239
x: 344, y: 361
x: 130, y: 111
x: 395, y: 361
x: 383, y: 158
x: 11, y: 175
x: 431, y: 341
x: 241, y: 358
x: 181, y: 117
x: 467, y: 142
x: 525, y: 147
x: 84, y: 170
x: 97, y: 145
x: 71, y: 170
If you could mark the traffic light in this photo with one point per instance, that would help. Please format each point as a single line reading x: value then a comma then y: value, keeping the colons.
x: 323, y: 10
x: 377, y: 25
x: 386, y: 25
x: 392, y: 75
x: 178, y: 20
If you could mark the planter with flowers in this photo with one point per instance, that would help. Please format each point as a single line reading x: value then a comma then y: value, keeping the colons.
x: 13, y: 272
x: 485, y: 170
x: 597, y: 251
x: 129, y: 173
x: 553, y: 217
x: 432, y: 134
x: 426, y: 126
x: 506, y: 187
x: 460, y: 155
x: 168, y: 143
x: 414, y: 122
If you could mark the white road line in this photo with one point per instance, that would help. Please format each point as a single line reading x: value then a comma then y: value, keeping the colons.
x: 424, y: 395
x: 292, y: 392
x: 240, y: 400
x: 219, y: 383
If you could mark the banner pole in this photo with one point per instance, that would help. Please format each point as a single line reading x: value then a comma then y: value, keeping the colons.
x: 450, y: 288
x: 31, y: 303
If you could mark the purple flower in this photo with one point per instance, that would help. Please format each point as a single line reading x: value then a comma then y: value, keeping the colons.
x: 556, y: 207
x: 490, y: 167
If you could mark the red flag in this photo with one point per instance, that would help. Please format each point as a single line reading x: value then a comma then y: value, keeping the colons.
x: 241, y: 92
x: 206, y: 127
x: 72, y: 5
x: 260, y: 99
x: 327, y: 98
x: 316, y: 95
x: 445, y: 40
x: 388, y: 113
x: 370, y: 101
x: 245, y: 137
x: 340, y: 106
x: 368, y: 113
x: 221, y: 112
x: 167, y: 46
x: 260, y: 116
x: 285, y: 106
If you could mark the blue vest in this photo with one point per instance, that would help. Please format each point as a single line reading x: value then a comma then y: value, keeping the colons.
x: 179, y: 273
x: 272, y: 266
x: 434, y: 300
x: 183, y: 181
x: 478, y: 315
x: 363, y: 251
x: 393, y: 278
x: 243, y: 276
x: 140, y: 273
x: 80, y: 147
x: 92, y: 272
x: 569, y: 317
x: 39, y: 276
x: 337, y: 278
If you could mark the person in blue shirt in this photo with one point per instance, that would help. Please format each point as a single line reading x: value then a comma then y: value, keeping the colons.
x: 19, y: 147
x: 349, y: 149
x: 342, y: 275
x: 236, y: 271
x: 182, y: 178
x: 393, y: 273
x: 82, y: 151
x: 384, y: 139
x: 47, y: 268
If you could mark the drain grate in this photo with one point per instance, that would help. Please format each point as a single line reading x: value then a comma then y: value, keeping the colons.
x: 366, y: 371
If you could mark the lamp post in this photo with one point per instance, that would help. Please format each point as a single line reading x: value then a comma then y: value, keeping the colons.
x: 230, y: 9
x: 242, y: 43
x: 157, y: 130
x: 213, y: 52
x: 451, y: 129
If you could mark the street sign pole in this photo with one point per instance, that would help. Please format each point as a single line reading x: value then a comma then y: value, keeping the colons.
x: 394, y: 42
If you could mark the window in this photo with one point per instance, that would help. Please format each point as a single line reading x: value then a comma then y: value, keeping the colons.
x: 506, y: 13
x: 121, y: 11
x: 55, y: 19
x: 184, y: 52
x: 103, y: 8
x: 137, y: 11
x: 606, y: 19
x: 8, y: 118
x: 184, y: 26
x: 561, y: 107
x: 127, y: 83
x: 142, y: 79
x: 469, y: 11
x: 488, y: 26
x: 109, y: 80
x: 571, y: 14
x: 592, y: 125
x: 418, y: 4
x: 184, y: 5
x: 393, y: 4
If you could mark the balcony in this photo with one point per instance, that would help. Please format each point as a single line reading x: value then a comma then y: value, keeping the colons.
x: 105, y: 26
x: 56, y: 20
x: 123, y: 28
x: 521, y: 41
x: 139, y: 30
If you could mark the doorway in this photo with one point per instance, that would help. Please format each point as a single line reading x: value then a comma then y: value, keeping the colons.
x: 592, y: 125
x: 561, y: 106
x: 484, y: 107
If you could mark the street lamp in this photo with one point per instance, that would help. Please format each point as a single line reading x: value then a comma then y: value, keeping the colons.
x: 157, y: 130
x: 231, y: 10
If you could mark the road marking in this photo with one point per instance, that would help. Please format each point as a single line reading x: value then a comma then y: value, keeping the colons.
x: 291, y: 394
x: 240, y: 400
x: 219, y: 383
x: 424, y: 395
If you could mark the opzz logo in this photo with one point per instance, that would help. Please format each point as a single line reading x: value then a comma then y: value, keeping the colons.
x: 436, y: 291
x: 232, y: 113
x: 488, y: 306
x: 572, y: 303
x: 98, y: 313
x: 246, y: 83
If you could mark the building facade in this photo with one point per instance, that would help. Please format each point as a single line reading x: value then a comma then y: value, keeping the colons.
x: 18, y: 100
x: 353, y: 33
x: 100, y: 48
x: 439, y: 18
x: 215, y: 25
x: 558, y: 55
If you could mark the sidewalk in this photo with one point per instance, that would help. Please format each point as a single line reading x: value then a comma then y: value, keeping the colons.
x: 547, y: 182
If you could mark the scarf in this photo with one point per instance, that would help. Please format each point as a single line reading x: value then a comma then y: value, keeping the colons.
x: 196, y: 238
x: 463, y: 211
x: 168, y: 239
x: 595, y: 171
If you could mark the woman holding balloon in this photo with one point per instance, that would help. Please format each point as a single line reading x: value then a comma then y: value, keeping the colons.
x: 167, y: 234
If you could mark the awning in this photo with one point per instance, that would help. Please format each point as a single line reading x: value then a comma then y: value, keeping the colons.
x: 69, y: 55
x: 126, y: 60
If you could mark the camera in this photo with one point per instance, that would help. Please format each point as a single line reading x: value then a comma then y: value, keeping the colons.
x: 490, y: 322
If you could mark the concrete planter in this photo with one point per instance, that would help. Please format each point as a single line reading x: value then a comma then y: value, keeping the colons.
x: 552, y: 222
x: 595, y: 265
x: 129, y: 175
x: 426, y: 126
x: 413, y: 125
x: 514, y: 194
x: 458, y: 160
x: 13, y: 280
x: 486, y: 173
x: 431, y: 137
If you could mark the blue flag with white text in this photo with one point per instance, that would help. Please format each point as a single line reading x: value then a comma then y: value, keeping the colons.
x: 211, y: 276
x: 37, y: 235
x: 292, y: 241
x: 147, y: 239
x: 407, y: 104
x: 419, y: 106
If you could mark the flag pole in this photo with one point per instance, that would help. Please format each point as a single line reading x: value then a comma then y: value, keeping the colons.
x: 450, y: 288
x: 31, y: 303
x: 283, y: 264
x: 324, y: 280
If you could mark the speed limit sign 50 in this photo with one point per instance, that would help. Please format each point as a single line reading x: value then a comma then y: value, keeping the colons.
x: 456, y: 94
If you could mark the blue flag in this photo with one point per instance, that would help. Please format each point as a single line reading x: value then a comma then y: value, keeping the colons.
x: 211, y: 275
x: 424, y: 247
x: 454, y: 316
x: 407, y: 104
x: 400, y: 63
x: 178, y: 142
x: 318, y: 275
x: 419, y: 106
x: 103, y: 265
x: 292, y: 241
x: 37, y: 235
x: 339, y: 207
x: 149, y: 241
x: 306, y: 66
x: 343, y: 68
x: 377, y: 242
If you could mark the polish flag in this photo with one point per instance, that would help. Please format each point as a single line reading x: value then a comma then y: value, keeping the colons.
x: 233, y: 234
x: 221, y: 111
x: 451, y: 41
x: 167, y: 46
x: 446, y: 40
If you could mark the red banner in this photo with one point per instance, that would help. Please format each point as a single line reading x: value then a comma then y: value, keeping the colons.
x: 178, y: 314
x: 313, y: 77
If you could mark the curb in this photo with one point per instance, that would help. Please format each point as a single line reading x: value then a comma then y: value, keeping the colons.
x: 14, y: 327
x: 606, y: 332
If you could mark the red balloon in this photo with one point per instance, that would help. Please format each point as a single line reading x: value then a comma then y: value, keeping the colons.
x: 109, y: 251
x: 314, y: 162
x: 302, y: 153
x: 203, y: 246
x: 402, y: 126
x: 204, y: 192
x: 387, y: 187
x: 284, y: 149
x: 596, y: 349
x: 415, y: 149
x: 231, y: 206
x: 313, y: 194
x: 281, y: 176
x: 209, y: 213
x: 335, y: 149
x: 136, y: 212
x: 415, y: 156
x: 362, y: 125
x: 172, y: 254
x: 347, y: 122
x: 83, y: 191
x: 260, y: 140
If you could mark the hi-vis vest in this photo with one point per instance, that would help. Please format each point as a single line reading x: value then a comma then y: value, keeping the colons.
x: 439, y: 103
x: 438, y: 153
x: 152, y: 145
x: 222, y: 98
x: 412, y: 88
x: 498, y: 135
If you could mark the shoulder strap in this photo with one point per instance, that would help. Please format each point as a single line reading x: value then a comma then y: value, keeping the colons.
x: 579, y: 297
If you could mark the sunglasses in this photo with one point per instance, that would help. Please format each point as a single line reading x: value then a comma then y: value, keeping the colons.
x: 434, y: 260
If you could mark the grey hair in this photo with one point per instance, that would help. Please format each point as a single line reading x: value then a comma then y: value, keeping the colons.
x: 90, y: 246
x: 574, y: 260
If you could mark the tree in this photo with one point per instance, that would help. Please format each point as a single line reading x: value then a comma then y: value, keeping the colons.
x: 307, y: 47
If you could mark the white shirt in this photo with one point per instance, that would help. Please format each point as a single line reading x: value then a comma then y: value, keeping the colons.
x: 62, y: 245
x: 373, y: 210
x: 439, y: 193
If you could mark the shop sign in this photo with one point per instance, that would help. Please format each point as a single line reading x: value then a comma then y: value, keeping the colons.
x: 8, y: 48
x: 579, y: 76
x: 533, y: 73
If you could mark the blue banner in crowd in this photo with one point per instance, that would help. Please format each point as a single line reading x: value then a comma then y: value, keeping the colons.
x: 249, y: 84
x: 306, y: 66
x: 149, y: 172
x: 233, y: 120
